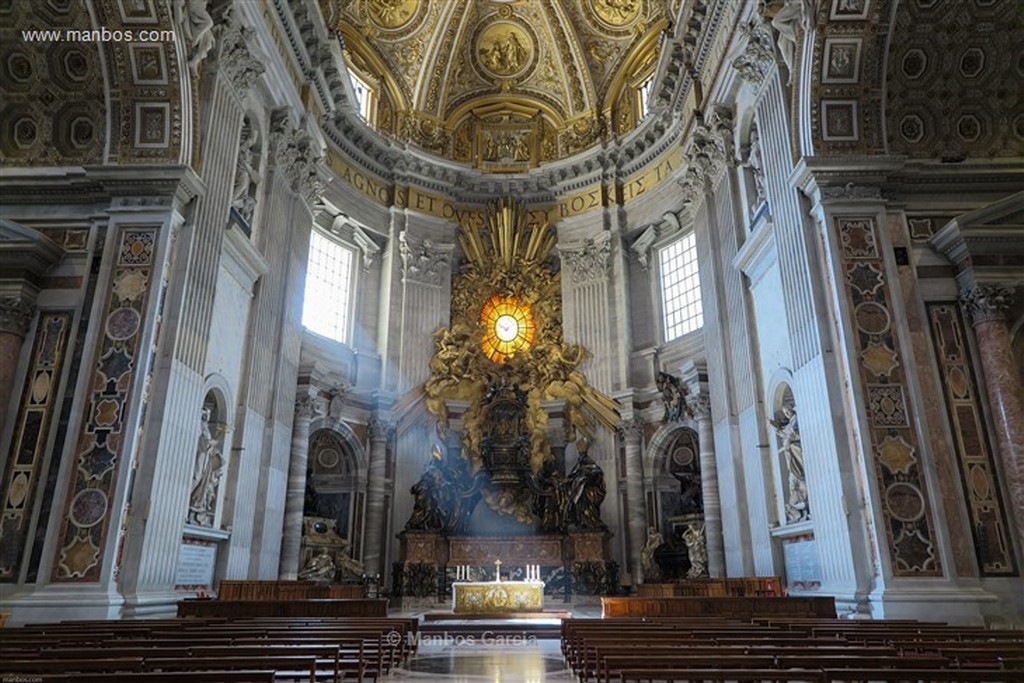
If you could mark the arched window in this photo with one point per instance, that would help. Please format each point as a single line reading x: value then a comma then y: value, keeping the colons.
x: 680, y: 288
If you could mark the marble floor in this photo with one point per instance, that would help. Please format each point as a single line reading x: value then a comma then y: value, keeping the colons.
x: 469, y: 651
x: 486, y: 659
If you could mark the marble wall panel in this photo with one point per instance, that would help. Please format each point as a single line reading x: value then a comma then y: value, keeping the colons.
x: 82, y: 538
x: 39, y: 401
x: 981, y: 489
x: 909, y: 525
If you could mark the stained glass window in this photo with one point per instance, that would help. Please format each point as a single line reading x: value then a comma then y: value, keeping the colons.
x: 508, y: 327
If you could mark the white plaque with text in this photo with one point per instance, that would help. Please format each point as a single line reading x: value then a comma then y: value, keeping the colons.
x: 802, y: 569
x: 195, y: 565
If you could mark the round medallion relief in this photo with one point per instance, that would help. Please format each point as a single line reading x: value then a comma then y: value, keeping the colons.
x: 616, y: 13
x: 88, y: 508
x: 505, y: 49
x: 871, y: 317
x: 122, y: 323
x: 393, y: 14
x: 682, y: 456
x: 328, y: 458
x: 904, y: 502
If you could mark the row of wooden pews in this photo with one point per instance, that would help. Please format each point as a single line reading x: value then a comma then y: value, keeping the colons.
x: 209, y: 649
x: 678, y: 650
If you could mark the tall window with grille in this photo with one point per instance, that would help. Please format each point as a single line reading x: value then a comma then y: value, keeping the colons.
x: 680, y: 288
x: 327, y: 305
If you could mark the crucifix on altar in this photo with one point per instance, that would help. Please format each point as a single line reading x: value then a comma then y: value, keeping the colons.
x: 497, y: 570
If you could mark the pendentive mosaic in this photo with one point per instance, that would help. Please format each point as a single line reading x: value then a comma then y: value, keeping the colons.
x: 36, y: 411
x: 974, y: 455
x: 898, y: 470
x: 101, y: 439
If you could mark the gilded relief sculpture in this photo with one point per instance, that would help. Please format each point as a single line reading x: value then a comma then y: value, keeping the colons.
x: 504, y: 354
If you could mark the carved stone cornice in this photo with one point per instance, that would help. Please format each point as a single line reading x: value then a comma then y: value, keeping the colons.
x: 424, y: 261
x: 698, y: 406
x: 236, y: 58
x: 641, y: 246
x: 588, y: 260
x: 632, y: 429
x: 851, y: 191
x: 380, y: 429
x: 759, y: 55
x: 984, y: 303
x: 16, y: 315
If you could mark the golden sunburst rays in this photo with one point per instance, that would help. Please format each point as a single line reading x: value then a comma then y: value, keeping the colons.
x: 509, y: 239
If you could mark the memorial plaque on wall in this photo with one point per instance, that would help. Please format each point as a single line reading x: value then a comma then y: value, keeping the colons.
x: 195, y: 565
x: 802, y: 569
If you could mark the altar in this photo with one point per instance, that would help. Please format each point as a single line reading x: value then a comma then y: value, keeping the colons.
x: 495, y: 597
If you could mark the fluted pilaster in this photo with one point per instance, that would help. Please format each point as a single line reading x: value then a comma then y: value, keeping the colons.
x: 381, y: 431
x: 632, y: 432
x: 291, y: 538
x: 699, y: 406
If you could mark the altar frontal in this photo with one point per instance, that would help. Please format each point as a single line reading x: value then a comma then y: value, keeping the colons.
x: 496, y: 597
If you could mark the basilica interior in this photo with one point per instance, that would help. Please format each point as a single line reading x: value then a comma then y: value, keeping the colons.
x: 606, y: 294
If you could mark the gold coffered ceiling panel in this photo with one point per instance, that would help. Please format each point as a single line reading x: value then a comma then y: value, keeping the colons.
x: 502, y: 84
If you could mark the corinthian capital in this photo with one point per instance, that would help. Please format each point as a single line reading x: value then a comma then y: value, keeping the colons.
x: 381, y: 429
x: 986, y: 302
x: 237, y: 60
x: 632, y: 428
x: 588, y: 260
x: 758, y: 55
x: 424, y: 261
x: 297, y: 155
x: 699, y: 406
x: 15, y: 315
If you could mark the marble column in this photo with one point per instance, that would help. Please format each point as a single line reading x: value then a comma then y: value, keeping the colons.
x: 632, y: 431
x: 291, y: 536
x: 374, y: 543
x: 986, y: 307
x: 699, y: 406
x: 15, y: 316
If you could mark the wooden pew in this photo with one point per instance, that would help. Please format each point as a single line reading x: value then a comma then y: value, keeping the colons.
x: 702, y: 675
x: 246, y: 676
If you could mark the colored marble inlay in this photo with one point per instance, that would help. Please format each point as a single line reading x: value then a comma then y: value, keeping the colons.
x: 991, y: 532
x: 101, y: 439
x: 898, y: 471
x: 35, y: 412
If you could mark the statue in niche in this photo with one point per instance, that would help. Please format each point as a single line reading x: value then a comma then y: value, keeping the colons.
x: 319, y: 567
x: 696, y: 548
x: 788, y: 20
x: 672, y: 395
x: 690, y: 492
x: 788, y: 432
x: 197, y: 26
x: 756, y: 165
x: 652, y: 572
x: 586, y: 492
x: 243, y: 199
x: 209, y: 468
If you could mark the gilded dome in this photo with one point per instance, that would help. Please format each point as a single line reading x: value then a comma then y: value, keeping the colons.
x: 501, y: 84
